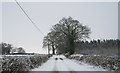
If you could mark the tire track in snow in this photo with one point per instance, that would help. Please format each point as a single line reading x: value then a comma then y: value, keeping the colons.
x: 63, y: 65
x: 69, y: 68
x: 55, y: 70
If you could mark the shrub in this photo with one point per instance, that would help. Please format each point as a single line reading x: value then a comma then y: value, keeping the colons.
x: 107, y: 62
x: 14, y: 64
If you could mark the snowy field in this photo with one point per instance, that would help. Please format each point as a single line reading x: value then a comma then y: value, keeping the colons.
x: 61, y: 63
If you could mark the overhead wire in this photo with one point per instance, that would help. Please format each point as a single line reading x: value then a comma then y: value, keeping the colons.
x: 29, y: 17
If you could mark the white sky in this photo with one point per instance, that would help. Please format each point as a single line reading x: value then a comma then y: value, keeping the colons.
x: 101, y: 17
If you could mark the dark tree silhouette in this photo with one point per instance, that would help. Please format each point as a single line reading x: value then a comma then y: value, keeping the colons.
x: 6, y: 48
x: 65, y: 33
x: 50, y: 42
x: 72, y: 31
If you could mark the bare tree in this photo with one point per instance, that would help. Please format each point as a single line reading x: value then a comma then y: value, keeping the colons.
x: 50, y: 42
x: 6, y: 48
x: 71, y: 31
x: 64, y: 34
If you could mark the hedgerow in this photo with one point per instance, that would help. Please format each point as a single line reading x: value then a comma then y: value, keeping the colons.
x: 14, y: 64
x: 106, y: 62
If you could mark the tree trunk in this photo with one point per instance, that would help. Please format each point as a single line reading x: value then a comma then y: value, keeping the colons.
x: 53, y: 50
x: 71, y: 46
x: 48, y: 49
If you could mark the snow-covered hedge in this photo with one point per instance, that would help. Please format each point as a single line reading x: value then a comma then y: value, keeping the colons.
x: 14, y: 64
x: 0, y: 64
x: 107, y: 62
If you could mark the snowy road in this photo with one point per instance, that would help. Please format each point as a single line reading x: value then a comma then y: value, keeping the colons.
x: 61, y: 63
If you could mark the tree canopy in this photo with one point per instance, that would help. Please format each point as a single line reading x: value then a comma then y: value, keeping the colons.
x: 6, y: 48
x: 64, y: 34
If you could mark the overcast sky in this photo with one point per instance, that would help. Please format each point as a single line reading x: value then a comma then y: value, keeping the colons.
x: 101, y: 17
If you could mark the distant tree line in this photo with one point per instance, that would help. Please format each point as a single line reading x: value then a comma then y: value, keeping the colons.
x: 104, y: 46
x: 9, y: 49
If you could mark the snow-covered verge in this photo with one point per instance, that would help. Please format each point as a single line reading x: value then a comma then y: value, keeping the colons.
x: 106, y: 62
x: 17, y: 63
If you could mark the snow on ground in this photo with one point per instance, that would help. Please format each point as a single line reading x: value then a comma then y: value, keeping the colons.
x: 48, y: 66
x: 80, y: 55
x: 0, y: 56
x: 61, y: 63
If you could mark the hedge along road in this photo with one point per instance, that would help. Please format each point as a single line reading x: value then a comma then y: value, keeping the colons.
x: 61, y: 63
